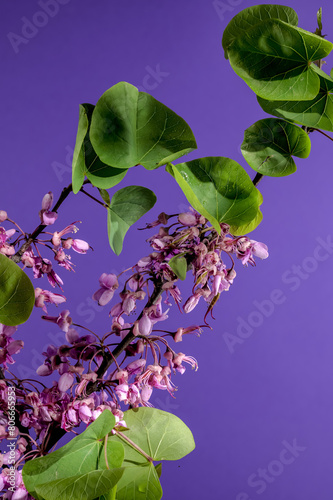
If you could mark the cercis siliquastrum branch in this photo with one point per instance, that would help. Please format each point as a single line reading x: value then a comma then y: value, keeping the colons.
x: 87, y: 382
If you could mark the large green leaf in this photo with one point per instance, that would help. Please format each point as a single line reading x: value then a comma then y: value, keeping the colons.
x: 78, y: 163
x: 126, y: 207
x: 269, y: 145
x: 252, y: 16
x: 130, y: 127
x: 81, y: 462
x: 85, y: 160
x: 316, y: 113
x: 162, y: 436
x: 219, y: 189
x: 274, y: 59
x: 17, y: 294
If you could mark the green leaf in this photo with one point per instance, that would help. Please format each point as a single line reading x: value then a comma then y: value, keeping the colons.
x: 140, y: 482
x: 269, y: 145
x: 219, y: 189
x: 158, y: 469
x: 78, y: 163
x: 17, y: 294
x: 316, y: 113
x: 130, y: 127
x: 253, y: 16
x: 83, y: 486
x: 100, y: 175
x: 274, y: 59
x: 80, y: 462
x: 105, y: 196
x: 126, y: 207
x: 86, y: 161
x: 247, y: 227
x: 179, y: 266
x: 162, y: 436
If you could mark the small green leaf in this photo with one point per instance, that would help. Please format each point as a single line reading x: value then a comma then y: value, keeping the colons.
x: 80, y: 462
x: 252, y: 16
x: 129, y: 127
x: 126, y: 207
x: 220, y: 190
x: 274, y: 59
x: 78, y: 163
x: 179, y: 266
x: 17, y: 294
x: 269, y: 145
x: 105, y: 196
x: 317, y: 113
x: 158, y: 469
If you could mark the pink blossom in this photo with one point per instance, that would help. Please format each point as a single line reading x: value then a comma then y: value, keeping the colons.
x: 46, y: 216
x: 145, y: 324
x: 63, y: 320
x: 5, y: 248
x: 3, y: 215
x: 259, y: 249
x: 65, y: 381
x: 80, y: 246
x: 191, y: 302
x: 44, y: 296
x: 108, y: 283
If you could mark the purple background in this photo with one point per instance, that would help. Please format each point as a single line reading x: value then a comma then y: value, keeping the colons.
x: 274, y: 386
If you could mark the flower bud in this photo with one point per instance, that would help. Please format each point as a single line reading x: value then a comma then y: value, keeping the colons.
x: 3, y: 215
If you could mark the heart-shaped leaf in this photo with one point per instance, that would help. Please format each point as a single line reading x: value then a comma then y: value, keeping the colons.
x: 274, y: 59
x: 219, y: 189
x: 129, y: 127
x: 269, y: 145
x: 316, y: 113
x: 252, y: 16
x: 126, y: 207
x: 80, y: 462
x: 17, y: 294
x: 162, y: 436
x: 178, y: 264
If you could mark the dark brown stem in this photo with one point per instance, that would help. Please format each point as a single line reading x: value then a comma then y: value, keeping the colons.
x: 257, y: 179
x: 323, y: 133
x: 56, y: 433
x: 109, y: 358
x: 17, y: 257
x: 93, y: 198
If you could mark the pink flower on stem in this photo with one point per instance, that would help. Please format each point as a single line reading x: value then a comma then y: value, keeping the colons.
x: 63, y: 320
x: 46, y: 216
x: 44, y: 296
x: 108, y: 283
x: 5, y: 248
